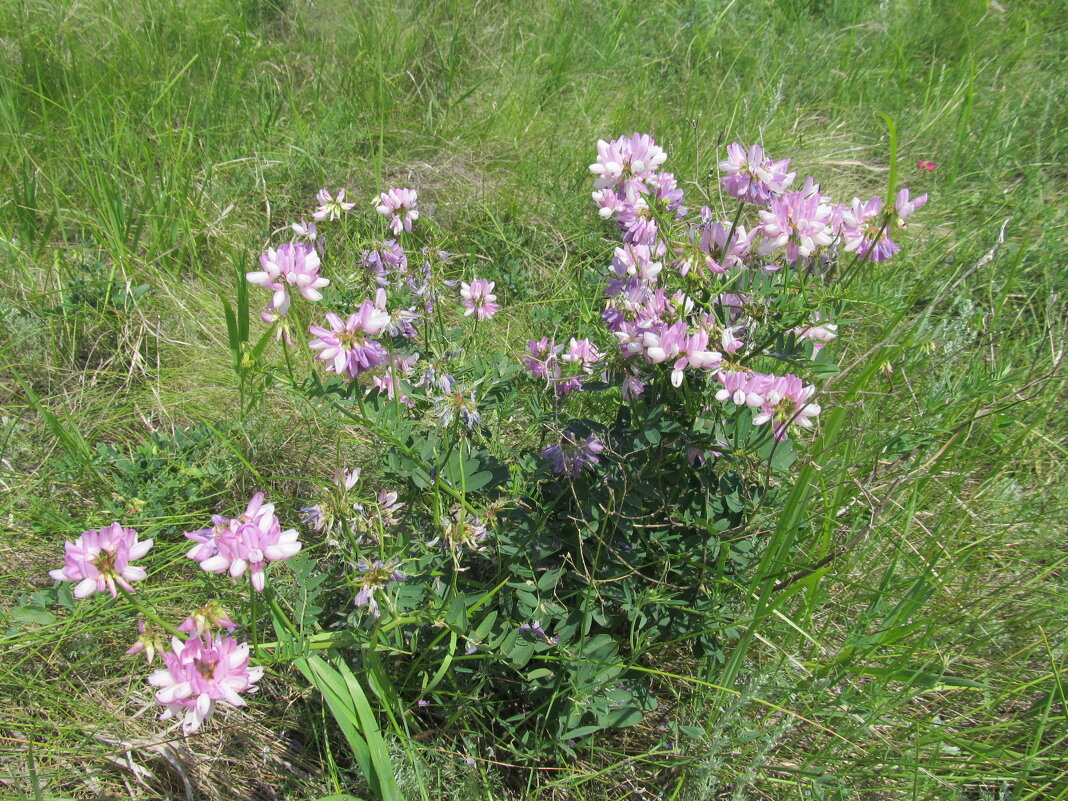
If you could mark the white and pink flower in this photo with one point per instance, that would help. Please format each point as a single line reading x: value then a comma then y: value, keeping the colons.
x: 245, y: 543
x: 347, y: 346
x: 478, y: 299
x: 399, y: 206
x: 201, y: 672
x: 294, y: 265
x: 100, y: 559
x: 330, y: 207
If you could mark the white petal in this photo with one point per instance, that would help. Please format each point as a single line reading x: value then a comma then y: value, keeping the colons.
x: 140, y: 549
x: 215, y: 564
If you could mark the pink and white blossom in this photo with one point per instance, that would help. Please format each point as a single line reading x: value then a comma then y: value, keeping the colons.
x: 780, y: 400
x: 245, y: 543
x: 713, y: 253
x: 398, y: 205
x: 542, y: 361
x: 330, y: 208
x: 798, y: 223
x: 753, y: 177
x: 865, y: 230
x: 624, y: 165
x: 478, y: 299
x: 100, y: 559
x: 308, y: 232
x: 201, y: 672
x: 292, y: 265
x: 347, y: 346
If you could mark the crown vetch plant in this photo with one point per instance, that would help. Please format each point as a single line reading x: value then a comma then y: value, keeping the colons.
x: 613, y: 528
x: 200, y: 672
x: 244, y: 543
x: 100, y: 560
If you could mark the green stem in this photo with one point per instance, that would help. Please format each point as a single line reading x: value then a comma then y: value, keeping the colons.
x: 149, y: 613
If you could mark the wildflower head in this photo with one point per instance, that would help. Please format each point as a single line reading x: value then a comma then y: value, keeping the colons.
x: 623, y: 165
x: 632, y: 387
x: 399, y: 206
x: 819, y: 333
x: 535, y: 631
x: 207, y: 617
x: 753, y: 177
x: 582, y: 354
x: 386, y: 257
x: 797, y: 222
x: 294, y: 265
x: 372, y: 578
x: 330, y: 207
x: 389, y: 507
x: 244, y: 543
x: 200, y: 672
x: 572, y: 455
x: 784, y: 403
x: 865, y: 230
x: 100, y: 559
x: 542, y: 359
x: 148, y: 641
x: 478, y: 299
x: 346, y: 480
x: 346, y: 346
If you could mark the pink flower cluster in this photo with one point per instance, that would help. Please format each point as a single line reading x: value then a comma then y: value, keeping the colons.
x: 650, y: 311
x: 330, y: 207
x: 625, y: 165
x: 399, y: 206
x: 478, y: 299
x: 292, y: 265
x: 630, y: 189
x: 566, y: 370
x: 651, y: 325
x: 753, y: 177
x: 200, y: 672
x: 798, y: 223
x: 865, y: 226
x: 100, y: 559
x: 346, y: 346
x: 660, y: 307
x: 244, y: 543
x: 780, y: 400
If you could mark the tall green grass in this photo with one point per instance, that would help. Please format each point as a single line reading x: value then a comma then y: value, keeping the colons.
x: 903, y: 636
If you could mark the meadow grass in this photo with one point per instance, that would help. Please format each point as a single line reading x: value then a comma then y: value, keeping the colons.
x: 916, y: 649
